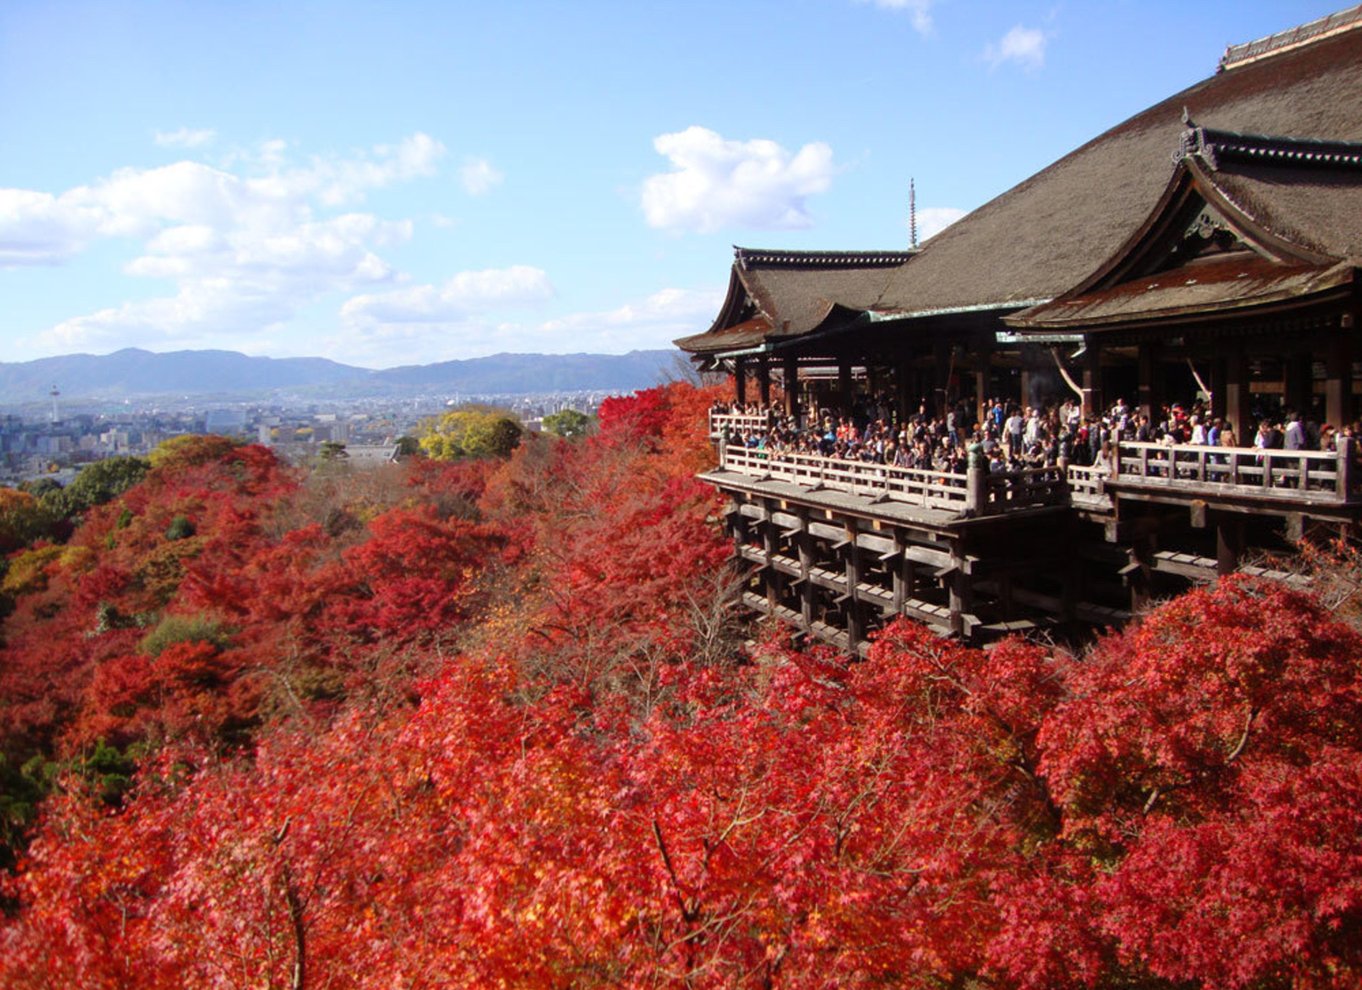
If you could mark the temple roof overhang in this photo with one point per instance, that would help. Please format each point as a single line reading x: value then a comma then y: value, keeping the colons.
x: 775, y: 295
x: 1230, y: 234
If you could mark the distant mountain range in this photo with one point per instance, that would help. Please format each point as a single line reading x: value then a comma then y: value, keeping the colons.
x: 137, y: 373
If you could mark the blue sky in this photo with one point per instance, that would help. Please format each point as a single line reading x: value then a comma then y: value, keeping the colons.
x: 403, y: 182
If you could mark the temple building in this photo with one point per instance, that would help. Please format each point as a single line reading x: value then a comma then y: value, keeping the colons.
x: 1208, y: 247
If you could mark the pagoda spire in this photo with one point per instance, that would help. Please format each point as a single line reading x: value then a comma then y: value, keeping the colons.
x: 912, y: 214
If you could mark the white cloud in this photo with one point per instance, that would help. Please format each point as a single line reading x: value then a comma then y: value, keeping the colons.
x: 246, y: 246
x: 466, y: 327
x: 919, y: 10
x: 453, y: 300
x: 717, y: 183
x: 337, y: 181
x: 652, y: 322
x: 186, y: 137
x: 37, y: 228
x: 1023, y: 45
x: 479, y: 177
x: 934, y: 219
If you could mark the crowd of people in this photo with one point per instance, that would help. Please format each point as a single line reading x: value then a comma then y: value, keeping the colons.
x: 1010, y: 436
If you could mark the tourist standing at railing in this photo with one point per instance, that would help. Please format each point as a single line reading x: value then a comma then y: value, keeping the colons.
x: 1294, y: 438
x: 1196, y: 431
x: 1015, y: 426
x: 1103, y: 462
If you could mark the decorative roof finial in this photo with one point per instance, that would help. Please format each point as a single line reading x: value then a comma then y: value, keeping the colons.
x: 912, y: 215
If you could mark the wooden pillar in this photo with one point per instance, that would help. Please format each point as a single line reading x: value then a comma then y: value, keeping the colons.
x: 1238, y: 402
x: 1338, y: 384
x: 981, y: 366
x: 1005, y: 603
x: 903, y: 380
x: 764, y: 381
x: 1150, y: 399
x: 1093, y: 400
x: 1229, y: 544
x: 1219, y: 369
x: 1347, y: 468
x: 941, y: 358
x: 855, y: 627
x: 806, y: 589
x: 958, y: 590
x: 737, y: 523
x: 1024, y: 387
x: 1299, y: 382
x: 740, y: 376
x: 844, y: 384
x: 792, y: 387
x: 902, y: 574
x: 770, y: 547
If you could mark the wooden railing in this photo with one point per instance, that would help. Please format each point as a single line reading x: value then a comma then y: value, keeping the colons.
x: 933, y: 489
x: 737, y: 423
x: 1025, y: 489
x: 972, y: 493
x: 1088, y: 486
x: 1197, y: 471
x: 1291, y: 475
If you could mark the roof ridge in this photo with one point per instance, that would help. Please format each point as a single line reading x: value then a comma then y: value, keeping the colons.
x: 1290, y: 39
x: 1214, y: 146
x: 820, y: 259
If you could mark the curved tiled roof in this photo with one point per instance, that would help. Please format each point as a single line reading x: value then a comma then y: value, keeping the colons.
x: 791, y: 293
x: 1048, y: 233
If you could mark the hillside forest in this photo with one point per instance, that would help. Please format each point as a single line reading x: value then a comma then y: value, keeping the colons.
x: 496, y: 722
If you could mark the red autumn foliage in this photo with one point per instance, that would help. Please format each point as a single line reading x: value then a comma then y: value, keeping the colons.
x: 592, y: 793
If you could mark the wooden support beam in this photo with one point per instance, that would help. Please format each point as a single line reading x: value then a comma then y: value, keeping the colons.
x: 806, y: 589
x: 792, y: 387
x: 876, y: 544
x: 855, y: 625
x: 772, y: 580
x: 1093, y: 400
x: 1197, y: 508
x: 958, y: 590
x: 1299, y: 382
x: 1149, y: 398
x: 1238, y: 401
x: 1338, y: 383
x: 1229, y: 544
x: 942, y: 360
x: 826, y: 532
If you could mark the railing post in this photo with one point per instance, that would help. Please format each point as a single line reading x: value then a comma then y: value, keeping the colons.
x: 1345, y: 468
x: 976, y: 491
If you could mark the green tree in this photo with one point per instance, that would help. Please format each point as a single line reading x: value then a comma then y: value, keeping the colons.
x: 191, y: 448
x: 471, y: 433
x: 333, y: 450
x: 568, y: 424
x: 96, y: 484
x: 22, y: 519
x: 40, y: 487
x: 180, y: 528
